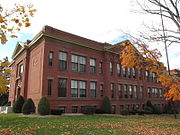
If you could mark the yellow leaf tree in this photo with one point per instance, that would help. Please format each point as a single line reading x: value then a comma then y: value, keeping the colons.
x: 11, y: 21
x: 142, y: 57
x: 4, y: 75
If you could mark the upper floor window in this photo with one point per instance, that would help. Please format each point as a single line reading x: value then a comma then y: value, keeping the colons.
x: 160, y: 93
x: 51, y: 56
x: 118, y: 70
x: 140, y: 74
x: 93, y: 89
x: 129, y: 72
x: 62, y: 87
x: 120, y: 90
x: 149, y: 92
x: 125, y: 91
x: 124, y: 72
x: 154, y: 77
x: 78, y: 88
x: 92, y: 65
x: 112, y: 90
x: 156, y: 92
x: 141, y: 92
x: 135, y: 91
x: 78, y: 63
x: 130, y: 91
x: 63, y: 61
x: 21, y: 69
x: 101, y: 90
x: 100, y: 68
x: 147, y: 75
x: 49, y: 90
x: 133, y: 72
x: 111, y: 67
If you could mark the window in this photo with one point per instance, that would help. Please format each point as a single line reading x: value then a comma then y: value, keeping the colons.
x: 100, y: 68
x: 74, y: 109
x: 51, y: 55
x: 135, y: 91
x: 149, y: 92
x: 93, y: 89
x: 74, y: 88
x: 121, y: 108
x: 156, y: 92
x: 21, y: 69
x: 153, y: 92
x: 141, y: 92
x: 154, y: 77
x: 133, y: 72
x: 147, y: 76
x: 82, y: 64
x: 160, y: 93
x: 78, y: 88
x: 118, y: 70
x: 63, y: 61
x: 129, y: 72
x: 62, y: 87
x: 124, y: 72
x: 63, y: 109
x: 101, y: 90
x: 111, y: 68
x: 130, y: 91
x: 113, y: 108
x: 74, y: 60
x: 92, y: 66
x: 140, y: 74
x: 120, y: 90
x: 112, y: 90
x: 125, y: 91
x: 49, y: 87
x: 82, y: 87
x: 78, y: 63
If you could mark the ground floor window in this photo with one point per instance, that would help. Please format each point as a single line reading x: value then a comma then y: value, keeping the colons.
x: 74, y: 109
x: 63, y: 109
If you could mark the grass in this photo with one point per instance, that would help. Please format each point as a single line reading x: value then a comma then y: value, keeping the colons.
x: 16, y: 124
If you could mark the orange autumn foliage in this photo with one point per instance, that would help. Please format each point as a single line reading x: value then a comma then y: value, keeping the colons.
x: 148, y: 59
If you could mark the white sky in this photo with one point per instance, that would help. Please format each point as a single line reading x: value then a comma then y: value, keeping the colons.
x: 99, y: 20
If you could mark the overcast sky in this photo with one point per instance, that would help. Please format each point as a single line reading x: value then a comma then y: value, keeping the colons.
x: 99, y: 20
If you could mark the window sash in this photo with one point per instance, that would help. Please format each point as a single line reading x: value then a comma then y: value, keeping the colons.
x: 92, y: 62
x: 62, y: 87
x: 63, y: 56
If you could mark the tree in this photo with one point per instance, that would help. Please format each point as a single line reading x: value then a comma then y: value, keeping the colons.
x: 168, y: 12
x: 17, y: 107
x: 4, y: 75
x: 106, y: 106
x: 28, y: 107
x: 141, y: 57
x: 44, y: 106
x: 13, y: 20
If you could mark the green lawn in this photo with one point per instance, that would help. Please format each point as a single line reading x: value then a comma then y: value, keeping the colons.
x: 13, y: 124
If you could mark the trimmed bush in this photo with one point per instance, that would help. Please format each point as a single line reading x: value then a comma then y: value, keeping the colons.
x: 17, y: 107
x: 44, y: 106
x: 28, y: 107
x: 106, y: 106
x: 124, y: 112
x: 56, y: 112
x: 156, y: 109
x: 148, y: 110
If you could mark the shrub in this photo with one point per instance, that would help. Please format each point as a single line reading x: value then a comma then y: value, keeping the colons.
x: 149, y: 104
x: 28, y: 107
x: 148, y: 110
x: 167, y: 109
x: 44, y: 106
x: 124, y: 112
x: 106, y: 106
x: 156, y: 109
x: 98, y: 111
x: 140, y: 112
x: 133, y: 112
x: 17, y: 107
x: 56, y: 112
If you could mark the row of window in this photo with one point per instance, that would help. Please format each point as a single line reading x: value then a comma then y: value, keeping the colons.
x: 78, y: 64
x: 128, y: 107
x: 78, y: 89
